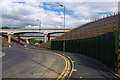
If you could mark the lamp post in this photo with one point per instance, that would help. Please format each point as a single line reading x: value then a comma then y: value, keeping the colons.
x: 64, y: 28
x: 39, y: 29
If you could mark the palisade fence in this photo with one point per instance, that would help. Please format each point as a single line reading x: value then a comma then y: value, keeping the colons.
x: 103, y: 48
x: 100, y: 42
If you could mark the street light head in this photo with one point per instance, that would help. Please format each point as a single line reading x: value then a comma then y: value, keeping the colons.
x: 61, y: 5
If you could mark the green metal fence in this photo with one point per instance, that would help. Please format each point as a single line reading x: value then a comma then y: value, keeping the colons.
x: 103, y: 47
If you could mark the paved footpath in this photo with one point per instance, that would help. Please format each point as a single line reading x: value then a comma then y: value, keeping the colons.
x: 88, y: 68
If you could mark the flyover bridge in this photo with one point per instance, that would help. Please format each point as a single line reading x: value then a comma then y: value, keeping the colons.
x: 27, y: 38
x: 45, y: 32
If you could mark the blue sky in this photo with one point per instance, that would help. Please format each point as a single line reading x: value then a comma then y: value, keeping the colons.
x: 25, y: 14
x: 107, y: 13
x: 69, y: 12
x: 21, y: 2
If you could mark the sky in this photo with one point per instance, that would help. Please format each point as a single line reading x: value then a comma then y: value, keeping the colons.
x: 25, y: 13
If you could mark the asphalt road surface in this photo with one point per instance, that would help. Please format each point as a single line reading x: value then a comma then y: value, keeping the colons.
x: 30, y: 63
x: 25, y: 63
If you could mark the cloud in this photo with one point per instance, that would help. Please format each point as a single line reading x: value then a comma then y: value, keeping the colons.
x: 24, y: 14
x: 88, y: 9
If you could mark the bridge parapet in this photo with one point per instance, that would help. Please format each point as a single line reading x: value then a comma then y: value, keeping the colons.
x: 44, y: 31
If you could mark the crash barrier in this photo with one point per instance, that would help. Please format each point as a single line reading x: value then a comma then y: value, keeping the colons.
x: 103, y: 48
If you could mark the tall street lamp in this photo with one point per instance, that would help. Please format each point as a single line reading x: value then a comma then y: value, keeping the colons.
x: 39, y: 28
x: 64, y: 28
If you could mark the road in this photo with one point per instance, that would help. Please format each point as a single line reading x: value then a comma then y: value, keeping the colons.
x: 32, y: 63
x: 26, y: 63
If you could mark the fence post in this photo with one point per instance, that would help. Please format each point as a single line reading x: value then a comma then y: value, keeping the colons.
x: 87, y: 32
x: 91, y: 31
x: 80, y: 33
x: 98, y: 30
x: 105, y: 27
x: 71, y: 35
x: 84, y: 33
x: 76, y: 34
x: 114, y: 25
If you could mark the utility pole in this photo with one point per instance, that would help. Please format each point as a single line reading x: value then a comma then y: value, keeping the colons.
x: 64, y: 28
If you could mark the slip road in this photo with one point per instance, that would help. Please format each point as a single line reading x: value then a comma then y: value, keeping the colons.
x: 28, y: 63
x: 33, y: 63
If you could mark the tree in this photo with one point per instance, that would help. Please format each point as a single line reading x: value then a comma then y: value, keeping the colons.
x: 15, y: 28
x: 5, y: 28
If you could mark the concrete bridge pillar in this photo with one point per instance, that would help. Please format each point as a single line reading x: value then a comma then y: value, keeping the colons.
x: 45, y: 37
x: 48, y: 37
x: 18, y: 38
x: 9, y: 40
x: 27, y: 41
